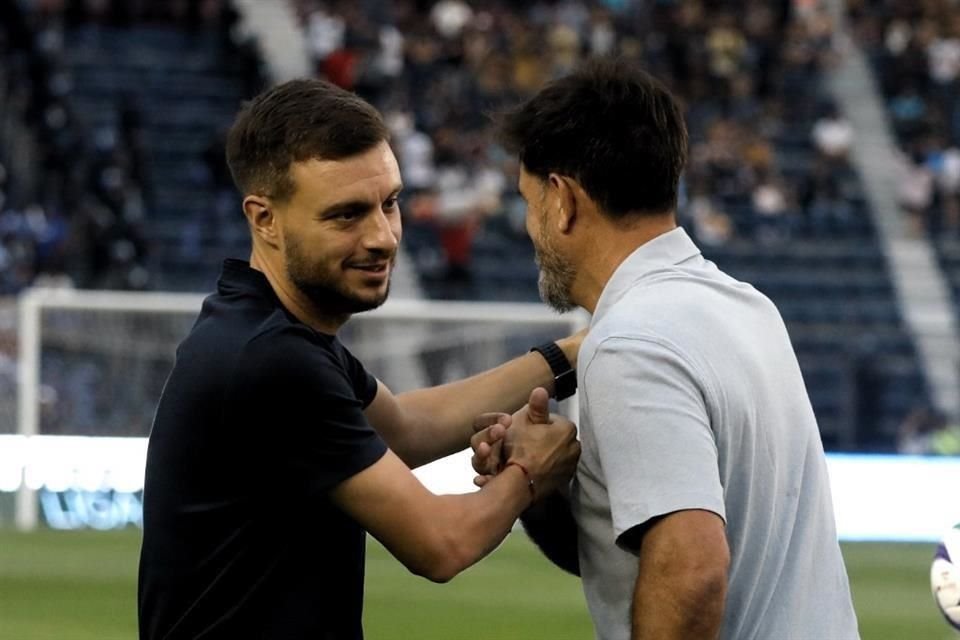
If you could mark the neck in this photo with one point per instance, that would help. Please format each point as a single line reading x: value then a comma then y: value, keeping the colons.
x: 608, y: 248
x: 292, y: 299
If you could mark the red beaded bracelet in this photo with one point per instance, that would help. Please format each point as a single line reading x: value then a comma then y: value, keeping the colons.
x: 533, y: 491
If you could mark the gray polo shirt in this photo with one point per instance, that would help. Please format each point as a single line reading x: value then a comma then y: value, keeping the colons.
x: 691, y: 398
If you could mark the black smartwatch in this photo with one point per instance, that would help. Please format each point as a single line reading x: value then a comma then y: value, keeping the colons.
x: 564, y: 375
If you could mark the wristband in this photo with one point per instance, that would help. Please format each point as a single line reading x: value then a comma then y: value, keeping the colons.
x: 564, y: 375
x: 526, y: 474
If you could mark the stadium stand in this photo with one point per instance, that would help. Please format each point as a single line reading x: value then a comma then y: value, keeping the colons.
x: 915, y: 50
x: 182, y: 87
x: 770, y: 193
x: 915, y: 53
x: 123, y: 101
x: 112, y: 116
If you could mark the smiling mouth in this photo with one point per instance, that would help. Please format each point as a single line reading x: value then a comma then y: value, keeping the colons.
x: 379, y: 267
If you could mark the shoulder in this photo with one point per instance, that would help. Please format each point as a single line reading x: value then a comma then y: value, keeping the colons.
x: 688, y: 308
x: 646, y: 344
x: 644, y: 321
x: 629, y: 353
x: 291, y: 353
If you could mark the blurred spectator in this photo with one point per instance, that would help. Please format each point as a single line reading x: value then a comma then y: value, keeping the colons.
x: 908, y: 110
x: 821, y: 197
x: 462, y: 197
x: 726, y: 51
x: 916, y: 191
x: 926, y: 431
x: 711, y: 226
x: 833, y: 134
x: 717, y: 163
x: 325, y: 32
x: 414, y: 151
x: 603, y: 35
x: 770, y: 201
x: 449, y: 17
x: 943, y: 54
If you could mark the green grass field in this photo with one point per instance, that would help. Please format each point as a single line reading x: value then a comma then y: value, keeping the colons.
x: 82, y: 586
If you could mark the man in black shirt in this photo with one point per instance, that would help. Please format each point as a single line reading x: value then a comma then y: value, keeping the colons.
x: 273, y: 451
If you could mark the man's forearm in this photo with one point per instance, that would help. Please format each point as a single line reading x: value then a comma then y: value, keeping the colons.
x: 443, y: 416
x: 551, y: 526
x: 433, y: 536
x: 470, y: 526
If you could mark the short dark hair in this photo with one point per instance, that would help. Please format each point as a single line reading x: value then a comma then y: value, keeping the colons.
x: 296, y: 121
x: 611, y: 126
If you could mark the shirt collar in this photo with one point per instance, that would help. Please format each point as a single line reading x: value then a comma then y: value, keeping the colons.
x: 668, y: 249
x: 238, y: 275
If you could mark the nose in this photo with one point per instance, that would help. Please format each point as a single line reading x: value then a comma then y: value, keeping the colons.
x: 382, y: 233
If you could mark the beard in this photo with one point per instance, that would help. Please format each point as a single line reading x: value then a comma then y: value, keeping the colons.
x: 556, y: 274
x: 325, y: 291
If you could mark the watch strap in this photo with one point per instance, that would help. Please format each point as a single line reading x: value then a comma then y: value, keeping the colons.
x: 564, y: 375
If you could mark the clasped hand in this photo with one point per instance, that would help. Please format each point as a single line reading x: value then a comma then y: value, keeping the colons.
x: 544, y: 443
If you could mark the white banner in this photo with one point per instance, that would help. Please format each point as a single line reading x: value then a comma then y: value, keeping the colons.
x: 876, y: 497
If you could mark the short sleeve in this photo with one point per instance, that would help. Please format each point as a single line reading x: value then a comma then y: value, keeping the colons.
x: 652, y: 430
x: 297, y: 391
x: 363, y: 382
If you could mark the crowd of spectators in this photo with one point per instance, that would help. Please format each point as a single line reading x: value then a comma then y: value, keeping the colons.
x: 745, y: 69
x: 438, y: 70
x: 915, y: 49
x: 74, y: 214
x: 768, y: 158
x: 76, y: 191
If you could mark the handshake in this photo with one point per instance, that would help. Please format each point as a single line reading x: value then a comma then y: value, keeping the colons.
x: 542, y: 444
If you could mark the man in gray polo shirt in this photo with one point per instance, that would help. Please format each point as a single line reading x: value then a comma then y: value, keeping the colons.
x: 701, y: 506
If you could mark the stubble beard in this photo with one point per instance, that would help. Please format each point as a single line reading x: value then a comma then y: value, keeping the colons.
x: 556, y: 275
x: 324, y: 290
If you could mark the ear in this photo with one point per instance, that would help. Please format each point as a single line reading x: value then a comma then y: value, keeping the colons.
x: 566, y: 190
x: 262, y: 219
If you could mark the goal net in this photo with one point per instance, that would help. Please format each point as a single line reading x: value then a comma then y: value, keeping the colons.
x: 92, y: 365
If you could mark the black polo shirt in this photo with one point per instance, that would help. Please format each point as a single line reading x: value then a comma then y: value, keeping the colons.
x: 259, y: 419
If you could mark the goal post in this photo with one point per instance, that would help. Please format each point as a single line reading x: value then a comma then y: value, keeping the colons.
x: 33, y: 305
x: 91, y: 366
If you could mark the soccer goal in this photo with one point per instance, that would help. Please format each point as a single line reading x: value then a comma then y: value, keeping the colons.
x: 92, y: 364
